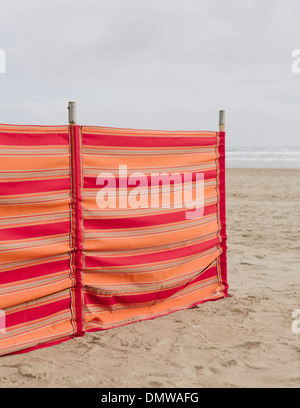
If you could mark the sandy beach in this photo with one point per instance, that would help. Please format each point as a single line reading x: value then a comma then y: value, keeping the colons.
x: 245, y: 340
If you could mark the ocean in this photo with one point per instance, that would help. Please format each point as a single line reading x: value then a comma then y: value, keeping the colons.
x: 280, y: 158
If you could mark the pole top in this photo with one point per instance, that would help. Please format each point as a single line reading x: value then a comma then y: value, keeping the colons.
x: 222, y: 121
x: 72, y: 113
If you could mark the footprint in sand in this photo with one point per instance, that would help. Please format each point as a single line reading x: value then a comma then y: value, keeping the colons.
x: 155, y: 384
x: 250, y: 345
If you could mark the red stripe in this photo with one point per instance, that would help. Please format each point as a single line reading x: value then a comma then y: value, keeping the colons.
x: 34, y: 186
x: 35, y: 231
x: 146, y: 141
x: 34, y: 312
x: 77, y: 224
x: 222, y: 209
x: 97, y: 262
x: 35, y: 139
x: 94, y: 299
x: 34, y: 271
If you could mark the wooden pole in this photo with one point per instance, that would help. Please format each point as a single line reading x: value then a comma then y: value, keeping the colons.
x: 221, y: 121
x: 72, y: 113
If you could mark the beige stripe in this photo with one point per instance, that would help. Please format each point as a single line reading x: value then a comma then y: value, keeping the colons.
x: 34, y: 284
x: 162, y: 169
x: 94, y: 171
x: 184, y: 151
x: 30, y: 199
x: 35, y: 175
x: 20, y: 244
x: 25, y: 151
x: 34, y: 220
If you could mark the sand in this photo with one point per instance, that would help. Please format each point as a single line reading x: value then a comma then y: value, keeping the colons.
x: 245, y: 340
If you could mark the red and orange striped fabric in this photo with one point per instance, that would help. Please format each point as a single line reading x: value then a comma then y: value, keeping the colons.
x: 68, y: 266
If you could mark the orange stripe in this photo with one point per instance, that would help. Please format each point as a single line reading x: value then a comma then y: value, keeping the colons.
x: 103, y: 162
x: 35, y: 337
x: 16, y: 210
x: 33, y: 129
x: 19, y: 163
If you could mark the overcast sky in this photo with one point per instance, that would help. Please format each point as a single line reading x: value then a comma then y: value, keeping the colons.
x: 160, y: 64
